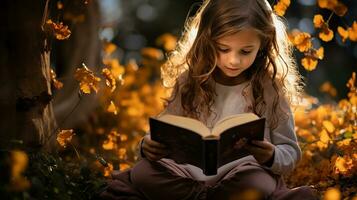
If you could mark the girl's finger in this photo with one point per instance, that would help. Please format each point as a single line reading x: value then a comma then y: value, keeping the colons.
x: 150, y: 156
x: 155, y: 144
x: 157, y: 151
x: 262, y: 144
x: 254, y: 150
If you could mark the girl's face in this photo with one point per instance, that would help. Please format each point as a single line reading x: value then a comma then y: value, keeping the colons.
x: 237, y: 52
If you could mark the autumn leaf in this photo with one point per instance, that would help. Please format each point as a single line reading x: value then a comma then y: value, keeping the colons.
x: 328, y: 126
x: 318, y: 21
x: 111, y: 141
x: 122, y: 153
x: 302, y: 41
x: 123, y: 166
x: 108, y: 170
x: 332, y: 194
x: 116, y: 69
x: 64, y: 137
x: 326, y: 34
x: 281, y: 6
x: 340, y: 9
x: 109, y: 79
x: 57, y: 84
x: 334, y: 5
x: 59, y: 5
x: 109, y: 48
x: 60, y: 31
x: 112, y: 108
x: 152, y: 53
x: 328, y: 88
x: 19, y: 162
x: 352, y: 32
x: 168, y: 41
x: 309, y: 62
x: 343, y: 165
x: 87, y: 80
x: 343, y: 33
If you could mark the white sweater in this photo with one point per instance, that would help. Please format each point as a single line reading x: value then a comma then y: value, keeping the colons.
x: 229, y: 101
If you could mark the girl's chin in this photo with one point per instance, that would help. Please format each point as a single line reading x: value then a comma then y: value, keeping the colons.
x: 232, y: 74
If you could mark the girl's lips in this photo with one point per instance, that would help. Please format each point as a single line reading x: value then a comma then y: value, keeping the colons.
x: 232, y: 69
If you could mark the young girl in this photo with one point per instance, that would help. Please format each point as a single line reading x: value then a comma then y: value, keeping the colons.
x: 234, y: 57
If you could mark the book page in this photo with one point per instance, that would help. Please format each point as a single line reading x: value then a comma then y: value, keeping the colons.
x: 231, y: 121
x: 187, y: 123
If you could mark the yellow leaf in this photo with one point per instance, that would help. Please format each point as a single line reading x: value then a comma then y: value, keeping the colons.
x: 328, y: 88
x: 108, y: 170
x: 302, y: 41
x: 115, y: 68
x: 122, y: 153
x: 109, y: 79
x: 112, y: 108
x: 352, y: 32
x: 108, y: 145
x: 343, y: 165
x: 109, y: 48
x: 340, y: 9
x: 60, y: 31
x: 280, y: 8
x: 309, y: 63
x: 318, y: 21
x: 332, y: 194
x: 59, y: 5
x: 87, y: 80
x: 64, y: 137
x: 57, y: 84
x: 326, y: 34
x: 123, y: 137
x: 337, y: 7
x: 328, y: 126
x: 19, y: 162
x: 168, y: 41
x: 343, y: 33
x: 324, y: 137
x: 152, y: 53
x: 319, y: 53
x: 123, y: 166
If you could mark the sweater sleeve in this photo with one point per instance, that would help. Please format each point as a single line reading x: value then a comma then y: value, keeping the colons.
x: 139, y: 147
x: 287, y: 152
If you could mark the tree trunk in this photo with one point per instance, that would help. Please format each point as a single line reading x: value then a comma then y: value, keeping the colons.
x: 25, y: 65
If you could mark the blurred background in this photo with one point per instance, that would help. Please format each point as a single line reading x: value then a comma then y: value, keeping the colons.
x: 106, y: 84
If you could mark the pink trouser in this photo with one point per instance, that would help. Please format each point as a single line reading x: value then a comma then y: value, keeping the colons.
x: 155, y: 181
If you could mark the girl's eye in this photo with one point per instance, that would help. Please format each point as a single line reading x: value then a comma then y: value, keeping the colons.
x: 223, y: 50
x: 246, y: 52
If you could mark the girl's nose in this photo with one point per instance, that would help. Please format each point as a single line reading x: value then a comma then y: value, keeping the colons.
x: 234, y: 60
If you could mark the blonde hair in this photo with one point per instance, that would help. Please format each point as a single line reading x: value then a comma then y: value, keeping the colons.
x: 196, y: 53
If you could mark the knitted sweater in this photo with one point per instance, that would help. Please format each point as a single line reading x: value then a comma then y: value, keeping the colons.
x: 237, y: 99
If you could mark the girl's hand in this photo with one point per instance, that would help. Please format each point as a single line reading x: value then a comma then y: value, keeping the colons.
x: 153, y: 150
x: 261, y: 150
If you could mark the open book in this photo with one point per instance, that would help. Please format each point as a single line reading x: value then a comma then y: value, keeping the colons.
x: 191, y: 142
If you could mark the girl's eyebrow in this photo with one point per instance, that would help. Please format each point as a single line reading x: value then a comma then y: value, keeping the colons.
x: 247, y: 46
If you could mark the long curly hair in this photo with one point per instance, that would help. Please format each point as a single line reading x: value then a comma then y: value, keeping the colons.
x: 196, y: 54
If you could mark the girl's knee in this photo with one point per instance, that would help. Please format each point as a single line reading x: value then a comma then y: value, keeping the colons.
x: 139, y: 172
x: 258, y: 180
x: 144, y: 171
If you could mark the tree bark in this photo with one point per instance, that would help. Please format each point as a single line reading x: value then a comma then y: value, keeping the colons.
x: 25, y: 63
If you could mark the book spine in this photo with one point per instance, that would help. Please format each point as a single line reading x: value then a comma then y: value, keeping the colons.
x: 210, y: 160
